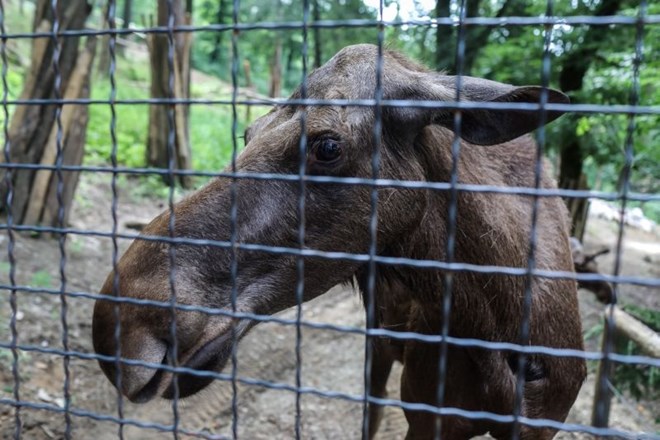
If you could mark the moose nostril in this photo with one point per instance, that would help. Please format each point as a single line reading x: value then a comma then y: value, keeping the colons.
x: 150, y: 389
x: 147, y: 349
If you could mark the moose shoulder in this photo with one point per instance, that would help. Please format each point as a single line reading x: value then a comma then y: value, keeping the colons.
x: 491, y: 230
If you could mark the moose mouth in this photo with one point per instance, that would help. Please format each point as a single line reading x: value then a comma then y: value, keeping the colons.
x: 210, y: 357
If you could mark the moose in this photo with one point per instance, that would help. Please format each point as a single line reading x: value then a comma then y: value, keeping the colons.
x: 414, y: 144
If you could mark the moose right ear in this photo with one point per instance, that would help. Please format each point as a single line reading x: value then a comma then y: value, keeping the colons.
x: 478, y: 126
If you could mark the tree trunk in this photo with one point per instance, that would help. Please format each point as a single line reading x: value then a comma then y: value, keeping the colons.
x: 572, y: 177
x: 275, y: 90
x: 128, y: 13
x: 574, y: 69
x: 159, y: 124
x: 276, y: 71
x: 445, y: 42
x: 220, y: 19
x: 316, y: 14
x: 34, y: 133
x: 103, y: 64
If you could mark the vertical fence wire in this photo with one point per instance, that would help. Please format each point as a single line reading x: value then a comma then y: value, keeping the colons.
x: 59, y: 161
x: 524, y: 334
x: 300, y: 261
x: 15, y: 371
x: 173, y: 351
x: 451, y: 224
x: 233, y: 216
x: 601, y: 410
x: 112, y: 44
x: 370, y: 294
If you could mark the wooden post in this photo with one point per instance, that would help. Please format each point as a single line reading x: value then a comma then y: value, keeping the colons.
x: 619, y: 322
x: 602, y: 395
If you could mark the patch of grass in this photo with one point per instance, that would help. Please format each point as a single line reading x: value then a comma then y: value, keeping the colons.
x: 210, y: 125
x: 130, y: 121
x: 41, y: 279
x: 6, y: 362
x: 75, y: 245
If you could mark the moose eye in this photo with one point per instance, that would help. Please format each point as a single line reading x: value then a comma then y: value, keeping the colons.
x: 327, y: 150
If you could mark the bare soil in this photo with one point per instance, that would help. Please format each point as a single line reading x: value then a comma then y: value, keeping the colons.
x: 331, y: 360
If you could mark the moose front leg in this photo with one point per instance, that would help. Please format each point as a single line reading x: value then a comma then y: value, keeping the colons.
x: 383, y: 356
x: 419, y: 384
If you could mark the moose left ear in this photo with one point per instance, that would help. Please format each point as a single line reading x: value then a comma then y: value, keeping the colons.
x: 480, y: 126
x: 490, y: 127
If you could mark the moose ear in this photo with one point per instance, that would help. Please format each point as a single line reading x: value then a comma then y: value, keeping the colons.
x: 483, y: 126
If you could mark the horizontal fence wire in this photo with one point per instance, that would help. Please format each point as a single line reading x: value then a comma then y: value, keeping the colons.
x: 72, y: 409
x: 356, y: 23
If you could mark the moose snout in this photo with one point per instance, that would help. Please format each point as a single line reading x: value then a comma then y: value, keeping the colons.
x: 141, y: 344
x: 130, y: 348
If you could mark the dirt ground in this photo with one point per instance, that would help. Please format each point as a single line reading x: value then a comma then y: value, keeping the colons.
x: 332, y: 361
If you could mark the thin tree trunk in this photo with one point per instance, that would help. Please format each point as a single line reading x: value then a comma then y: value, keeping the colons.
x: 445, y: 42
x: 572, y: 177
x: 276, y: 63
x: 220, y: 19
x: 128, y: 13
x: 318, y: 59
x: 276, y: 71
x: 571, y: 79
x: 33, y: 131
x: 159, y: 123
x: 248, y: 85
x: 103, y: 65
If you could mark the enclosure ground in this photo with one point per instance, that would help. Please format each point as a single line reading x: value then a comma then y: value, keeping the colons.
x: 331, y: 360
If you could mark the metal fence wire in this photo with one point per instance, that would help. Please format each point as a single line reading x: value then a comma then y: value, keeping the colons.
x: 73, y: 407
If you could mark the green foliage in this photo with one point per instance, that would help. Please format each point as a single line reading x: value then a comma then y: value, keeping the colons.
x: 213, y: 54
x: 210, y: 125
x: 131, y: 120
x: 641, y: 381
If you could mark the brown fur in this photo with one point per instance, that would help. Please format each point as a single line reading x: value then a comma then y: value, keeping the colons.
x: 491, y: 229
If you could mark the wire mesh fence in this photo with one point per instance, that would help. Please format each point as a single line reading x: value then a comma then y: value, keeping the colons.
x: 180, y: 249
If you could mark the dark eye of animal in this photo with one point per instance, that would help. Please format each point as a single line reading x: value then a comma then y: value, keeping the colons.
x: 327, y: 150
